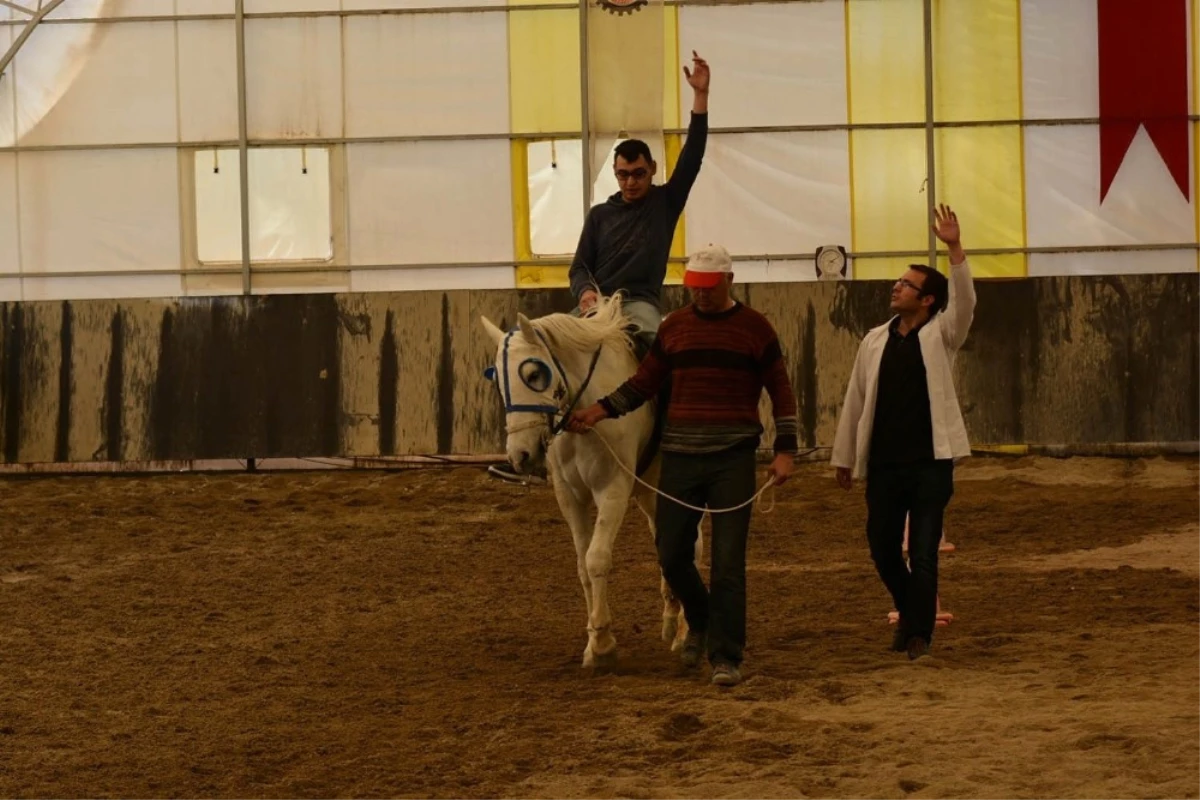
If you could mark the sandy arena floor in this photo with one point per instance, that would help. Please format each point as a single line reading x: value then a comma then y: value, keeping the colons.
x: 419, y: 633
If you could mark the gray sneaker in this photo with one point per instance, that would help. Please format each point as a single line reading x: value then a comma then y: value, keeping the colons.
x: 692, y: 650
x: 724, y: 674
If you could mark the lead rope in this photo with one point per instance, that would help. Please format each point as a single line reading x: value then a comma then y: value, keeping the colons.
x: 768, y: 485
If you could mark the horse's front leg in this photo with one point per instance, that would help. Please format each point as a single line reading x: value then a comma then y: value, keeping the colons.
x: 675, y: 627
x: 611, y: 502
x: 573, y: 502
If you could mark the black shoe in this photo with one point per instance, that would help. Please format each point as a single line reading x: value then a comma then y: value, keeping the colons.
x: 693, y: 649
x: 505, y: 472
x: 726, y: 674
x: 899, y: 640
x: 918, y: 647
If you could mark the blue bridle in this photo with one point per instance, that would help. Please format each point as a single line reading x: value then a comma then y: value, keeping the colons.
x: 533, y: 372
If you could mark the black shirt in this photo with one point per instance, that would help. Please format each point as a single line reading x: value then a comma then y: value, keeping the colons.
x: 903, y: 429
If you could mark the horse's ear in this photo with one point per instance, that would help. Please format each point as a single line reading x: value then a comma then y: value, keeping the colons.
x: 527, y: 329
x: 494, y: 333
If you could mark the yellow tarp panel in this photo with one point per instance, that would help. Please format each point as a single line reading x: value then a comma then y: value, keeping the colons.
x: 543, y: 64
x: 886, y: 60
x: 885, y: 66
x: 980, y: 174
x: 981, y: 171
x: 549, y: 276
x: 890, y: 203
x: 519, y: 160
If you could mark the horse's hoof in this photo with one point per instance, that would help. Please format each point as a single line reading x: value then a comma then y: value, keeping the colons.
x: 604, y: 663
x: 670, y: 628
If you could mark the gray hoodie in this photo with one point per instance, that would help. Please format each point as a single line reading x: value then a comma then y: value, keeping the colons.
x: 625, y: 246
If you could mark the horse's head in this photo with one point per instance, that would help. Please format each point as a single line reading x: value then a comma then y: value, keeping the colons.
x: 532, y: 385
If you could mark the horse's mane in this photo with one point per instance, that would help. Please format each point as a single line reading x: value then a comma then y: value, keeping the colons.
x: 605, y: 324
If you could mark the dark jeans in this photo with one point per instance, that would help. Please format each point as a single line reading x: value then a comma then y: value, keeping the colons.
x: 921, y: 491
x: 719, y: 480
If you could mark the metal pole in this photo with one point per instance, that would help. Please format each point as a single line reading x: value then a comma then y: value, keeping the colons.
x: 930, y: 142
x: 541, y: 136
x: 243, y: 140
x: 585, y: 143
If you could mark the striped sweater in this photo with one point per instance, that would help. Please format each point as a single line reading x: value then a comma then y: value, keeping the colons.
x: 719, y: 365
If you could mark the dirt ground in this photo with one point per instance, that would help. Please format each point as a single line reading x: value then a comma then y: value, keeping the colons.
x: 419, y: 633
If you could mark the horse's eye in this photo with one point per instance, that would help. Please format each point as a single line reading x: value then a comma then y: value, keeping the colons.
x: 535, y: 374
x: 490, y: 373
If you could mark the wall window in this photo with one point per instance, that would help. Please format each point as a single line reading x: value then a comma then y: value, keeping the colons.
x: 555, y: 192
x: 290, y: 214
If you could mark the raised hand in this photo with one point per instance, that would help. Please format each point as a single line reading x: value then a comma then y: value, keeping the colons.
x: 698, y: 76
x: 945, y: 225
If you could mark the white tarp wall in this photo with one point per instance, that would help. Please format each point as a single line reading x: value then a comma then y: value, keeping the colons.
x: 392, y: 147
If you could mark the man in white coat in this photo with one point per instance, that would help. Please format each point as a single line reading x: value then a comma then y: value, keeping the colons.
x: 901, y: 428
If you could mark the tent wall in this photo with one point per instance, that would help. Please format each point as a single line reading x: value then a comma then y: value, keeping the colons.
x: 437, y: 128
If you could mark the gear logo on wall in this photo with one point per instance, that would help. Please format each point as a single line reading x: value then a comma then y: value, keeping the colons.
x: 621, y: 7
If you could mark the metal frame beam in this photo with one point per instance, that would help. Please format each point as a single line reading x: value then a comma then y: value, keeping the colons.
x: 585, y: 111
x: 308, y: 268
x: 243, y: 142
x: 476, y: 9
x: 930, y: 138
x: 36, y: 19
x: 324, y: 141
x: 27, y: 11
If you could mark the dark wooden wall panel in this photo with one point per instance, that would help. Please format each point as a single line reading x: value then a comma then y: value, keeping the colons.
x: 1064, y: 360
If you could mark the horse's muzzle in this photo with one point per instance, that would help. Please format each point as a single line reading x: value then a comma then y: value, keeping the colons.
x: 526, y: 462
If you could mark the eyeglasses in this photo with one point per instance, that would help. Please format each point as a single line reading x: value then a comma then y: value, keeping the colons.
x: 638, y: 174
x: 910, y: 285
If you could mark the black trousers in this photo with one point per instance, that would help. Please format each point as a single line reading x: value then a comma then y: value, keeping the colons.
x: 719, y: 480
x: 919, y: 490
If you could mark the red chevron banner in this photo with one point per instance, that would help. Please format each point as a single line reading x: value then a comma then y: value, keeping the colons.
x: 1143, y: 82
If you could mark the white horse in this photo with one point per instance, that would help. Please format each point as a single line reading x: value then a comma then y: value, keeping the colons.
x: 546, y: 368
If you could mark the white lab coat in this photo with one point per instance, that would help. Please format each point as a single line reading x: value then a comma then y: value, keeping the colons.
x: 940, y: 339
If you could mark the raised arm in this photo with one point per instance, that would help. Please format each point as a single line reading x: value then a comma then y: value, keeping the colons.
x: 687, y: 168
x: 960, y: 303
